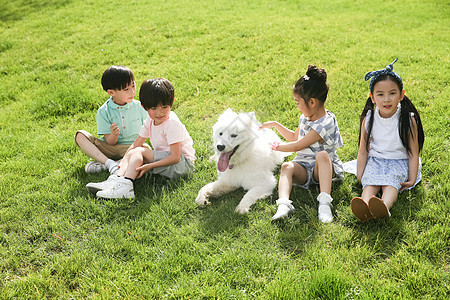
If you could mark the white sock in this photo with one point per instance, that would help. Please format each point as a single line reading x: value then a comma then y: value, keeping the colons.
x: 283, y: 201
x: 111, y: 164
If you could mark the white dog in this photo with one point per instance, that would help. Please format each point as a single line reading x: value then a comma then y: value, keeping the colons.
x: 244, y: 159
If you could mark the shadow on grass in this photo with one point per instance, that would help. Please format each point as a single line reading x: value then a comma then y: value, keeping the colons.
x: 301, y: 228
x: 149, y: 190
x: 219, y: 216
x: 385, y: 236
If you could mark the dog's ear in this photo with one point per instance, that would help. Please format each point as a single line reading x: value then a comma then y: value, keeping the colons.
x: 227, y: 114
x: 251, y: 119
x: 224, y: 118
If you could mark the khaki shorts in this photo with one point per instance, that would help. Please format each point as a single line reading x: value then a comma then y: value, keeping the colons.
x: 114, y: 152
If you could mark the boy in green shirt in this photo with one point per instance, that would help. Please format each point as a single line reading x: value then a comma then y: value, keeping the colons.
x: 119, y: 120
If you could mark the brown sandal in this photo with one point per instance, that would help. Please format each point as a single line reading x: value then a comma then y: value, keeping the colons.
x: 378, y: 208
x: 360, y: 209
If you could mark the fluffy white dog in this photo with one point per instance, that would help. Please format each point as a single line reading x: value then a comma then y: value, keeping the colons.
x: 244, y: 159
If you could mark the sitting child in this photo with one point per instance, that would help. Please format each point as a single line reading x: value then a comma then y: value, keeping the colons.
x: 315, y: 140
x: 172, y: 154
x: 118, y: 121
x: 391, y: 138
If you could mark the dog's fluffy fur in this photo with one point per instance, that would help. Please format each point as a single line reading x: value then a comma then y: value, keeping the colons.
x: 244, y: 159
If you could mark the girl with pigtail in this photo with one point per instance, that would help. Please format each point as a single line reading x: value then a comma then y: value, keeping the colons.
x: 315, y: 141
x: 391, y: 138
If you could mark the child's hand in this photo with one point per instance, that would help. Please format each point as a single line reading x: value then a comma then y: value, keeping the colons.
x: 358, y: 177
x: 143, y: 169
x: 268, y: 124
x: 114, y: 129
x: 275, y: 146
x: 406, y: 185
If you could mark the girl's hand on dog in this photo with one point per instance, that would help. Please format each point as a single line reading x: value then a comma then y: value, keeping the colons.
x: 268, y: 124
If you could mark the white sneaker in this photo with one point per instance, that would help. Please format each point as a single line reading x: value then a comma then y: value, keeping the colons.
x: 122, y: 188
x: 94, y: 167
x: 94, y: 187
x: 325, y: 214
x: 285, y: 208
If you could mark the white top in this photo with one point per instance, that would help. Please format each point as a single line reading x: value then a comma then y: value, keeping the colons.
x: 170, y: 132
x: 385, y: 139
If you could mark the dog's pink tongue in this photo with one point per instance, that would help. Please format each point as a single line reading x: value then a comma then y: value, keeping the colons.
x: 224, y: 161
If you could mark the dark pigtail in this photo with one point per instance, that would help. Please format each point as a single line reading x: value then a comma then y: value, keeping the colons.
x: 368, y: 107
x: 405, y: 130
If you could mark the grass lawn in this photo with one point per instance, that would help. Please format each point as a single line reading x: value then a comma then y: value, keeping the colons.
x: 57, y: 241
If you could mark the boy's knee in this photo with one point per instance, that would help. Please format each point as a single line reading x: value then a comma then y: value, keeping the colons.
x: 79, y: 135
x: 138, y: 151
x: 132, y: 152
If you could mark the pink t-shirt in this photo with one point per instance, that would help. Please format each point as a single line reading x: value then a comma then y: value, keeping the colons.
x: 170, y: 132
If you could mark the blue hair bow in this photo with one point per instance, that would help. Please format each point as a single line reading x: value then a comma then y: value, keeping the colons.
x: 389, y: 70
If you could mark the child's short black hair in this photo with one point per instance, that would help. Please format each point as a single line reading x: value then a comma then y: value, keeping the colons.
x: 156, y: 91
x: 117, y: 78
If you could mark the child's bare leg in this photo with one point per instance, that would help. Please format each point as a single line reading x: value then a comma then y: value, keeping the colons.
x: 380, y: 207
x: 134, y: 159
x: 124, y: 163
x: 89, y: 149
x: 323, y: 171
x: 389, y: 196
x: 369, y: 191
x: 360, y: 205
x: 290, y: 171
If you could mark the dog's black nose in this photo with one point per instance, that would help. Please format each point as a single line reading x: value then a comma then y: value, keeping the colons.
x: 220, y: 147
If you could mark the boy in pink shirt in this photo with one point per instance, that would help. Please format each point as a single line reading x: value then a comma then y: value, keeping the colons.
x: 172, y: 154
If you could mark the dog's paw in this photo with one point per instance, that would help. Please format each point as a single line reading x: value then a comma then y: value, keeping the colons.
x: 202, y: 201
x: 241, y: 209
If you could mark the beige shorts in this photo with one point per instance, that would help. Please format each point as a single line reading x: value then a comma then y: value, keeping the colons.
x: 114, y: 152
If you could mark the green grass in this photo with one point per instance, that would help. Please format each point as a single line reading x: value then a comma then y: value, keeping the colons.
x: 56, y: 241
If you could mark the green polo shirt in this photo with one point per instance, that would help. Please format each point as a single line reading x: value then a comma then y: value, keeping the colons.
x: 128, y: 117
